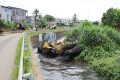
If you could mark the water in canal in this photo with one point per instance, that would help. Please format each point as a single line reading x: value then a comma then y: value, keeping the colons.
x: 56, y: 69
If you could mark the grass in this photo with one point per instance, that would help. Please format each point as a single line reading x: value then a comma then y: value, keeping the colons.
x: 27, y: 52
x: 17, y: 60
x: 27, y: 55
x: 26, y: 59
x: 43, y: 30
x: 109, y: 67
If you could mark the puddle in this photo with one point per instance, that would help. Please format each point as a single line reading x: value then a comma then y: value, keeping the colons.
x: 56, y: 69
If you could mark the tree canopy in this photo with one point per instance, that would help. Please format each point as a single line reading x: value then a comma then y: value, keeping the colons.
x: 49, y: 18
x: 36, y: 13
x: 41, y: 22
x: 111, y: 17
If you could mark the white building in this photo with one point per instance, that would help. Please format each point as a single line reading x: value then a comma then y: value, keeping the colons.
x: 5, y: 13
x: 64, y: 21
x: 13, y: 14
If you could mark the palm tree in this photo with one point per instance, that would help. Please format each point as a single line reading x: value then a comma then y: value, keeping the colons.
x: 36, y: 12
x: 74, y: 18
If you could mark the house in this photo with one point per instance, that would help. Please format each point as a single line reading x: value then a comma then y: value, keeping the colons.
x: 12, y: 14
x: 5, y: 13
x: 52, y: 25
x: 64, y: 21
x: 30, y: 20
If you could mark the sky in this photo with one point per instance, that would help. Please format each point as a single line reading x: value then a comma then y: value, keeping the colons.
x: 85, y: 9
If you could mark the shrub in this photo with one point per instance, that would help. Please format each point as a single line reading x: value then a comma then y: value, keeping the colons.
x: 73, y: 35
x: 107, y: 67
x: 113, y: 34
x: 89, y: 54
x: 100, y: 48
x: 7, y: 24
x: 1, y: 23
x: 86, y: 23
x: 95, y: 40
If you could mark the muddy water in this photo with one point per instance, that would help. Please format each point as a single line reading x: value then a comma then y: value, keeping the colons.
x: 56, y: 69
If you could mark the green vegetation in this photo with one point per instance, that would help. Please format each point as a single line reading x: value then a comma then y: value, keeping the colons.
x: 100, y: 48
x: 27, y: 55
x: 58, y: 29
x: 17, y: 61
x: 35, y: 13
x: 26, y: 24
x: 96, y: 23
x: 7, y: 24
x: 42, y: 21
x: 112, y: 17
x: 108, y: 67
x: 27, y: 67
x: 27, y: 52
x: 49, y: 18
x: 13, y: 26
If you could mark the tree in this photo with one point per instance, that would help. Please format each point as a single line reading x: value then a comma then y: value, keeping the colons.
x: 49, y: 18
x: 41, y: 22
x: 36, y: 13
x: 26, y: 24
x: 86, y: 23
x: 111, y: 17
x: 74, y: 18
x: 96, y: 23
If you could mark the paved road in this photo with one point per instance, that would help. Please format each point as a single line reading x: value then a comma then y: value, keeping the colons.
x: 8, y: 45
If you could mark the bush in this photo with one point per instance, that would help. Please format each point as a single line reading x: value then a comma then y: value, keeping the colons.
x: 7, y: 24
x: 113, y: 34
x: 96, y: 23
x: 60, y: 24
x: 86, y: 23
x: 26, y: 24
x: 99, y: 45
x: 91, y: 38
x: 89, y: 54
x: 73, y: 35
x: 107, y: 67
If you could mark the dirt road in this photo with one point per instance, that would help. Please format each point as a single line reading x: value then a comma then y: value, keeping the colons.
x: 8, y: 45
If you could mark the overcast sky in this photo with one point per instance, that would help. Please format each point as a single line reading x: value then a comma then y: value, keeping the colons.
x: 85, y: 9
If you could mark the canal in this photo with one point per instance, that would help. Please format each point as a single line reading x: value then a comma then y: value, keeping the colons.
x: 55, y: 68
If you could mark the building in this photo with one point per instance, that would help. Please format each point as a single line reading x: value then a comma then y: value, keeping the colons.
x: 12, y: 14
x: 30, y: 20
x: 52, y: 25
x: 5, y: 13
x: 64, y: 21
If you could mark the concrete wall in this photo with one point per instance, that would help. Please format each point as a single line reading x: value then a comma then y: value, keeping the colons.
x: 6, y: 13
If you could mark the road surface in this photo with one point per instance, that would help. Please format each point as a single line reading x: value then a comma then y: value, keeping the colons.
x: 8, y: 45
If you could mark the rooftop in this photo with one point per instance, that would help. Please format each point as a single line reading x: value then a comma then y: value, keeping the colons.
x: 13, y: 8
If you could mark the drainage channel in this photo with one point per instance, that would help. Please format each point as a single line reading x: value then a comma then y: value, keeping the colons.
x: 56, y: 69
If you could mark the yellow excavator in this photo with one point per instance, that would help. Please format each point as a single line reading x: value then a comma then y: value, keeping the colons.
x: 67, y: 51
x: 51, y: 49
